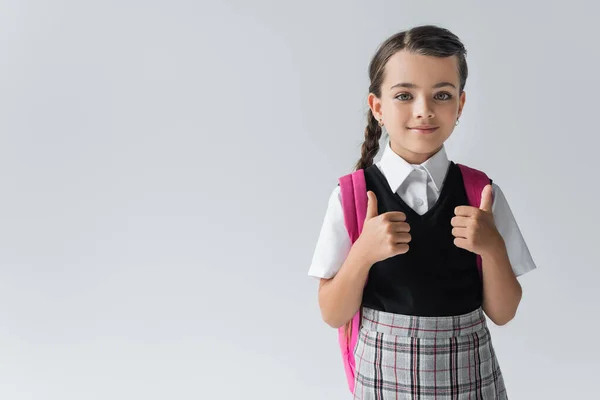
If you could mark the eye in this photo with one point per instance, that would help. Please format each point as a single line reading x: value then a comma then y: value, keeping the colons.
x: 399, y: 97
x: 447, y: 95
x: 444, y: 96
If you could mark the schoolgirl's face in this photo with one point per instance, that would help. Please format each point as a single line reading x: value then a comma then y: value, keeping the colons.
x: 419, y: 104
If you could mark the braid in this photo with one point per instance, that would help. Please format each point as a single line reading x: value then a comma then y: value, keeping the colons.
x: 370, y: 146
x: 369, y: 150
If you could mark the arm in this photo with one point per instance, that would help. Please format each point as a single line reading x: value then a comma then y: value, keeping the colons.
x: 475, y: 230
x: 382, y: 236
x: 340, y: 297
x: 341, y: 289
x: 501, y: 289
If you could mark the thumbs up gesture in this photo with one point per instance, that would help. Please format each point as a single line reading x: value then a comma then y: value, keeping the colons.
x: 383, y: 235
x: 474, y: 228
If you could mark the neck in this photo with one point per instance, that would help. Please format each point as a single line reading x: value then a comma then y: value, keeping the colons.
x: 411, y: 157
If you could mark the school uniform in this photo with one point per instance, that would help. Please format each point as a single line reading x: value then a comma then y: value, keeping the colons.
x: 423, y: 332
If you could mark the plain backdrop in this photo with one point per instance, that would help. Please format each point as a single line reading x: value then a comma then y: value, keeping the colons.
x: 165, y: 168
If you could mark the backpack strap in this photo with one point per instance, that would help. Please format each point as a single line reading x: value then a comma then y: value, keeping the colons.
x: 474, y: 181
x: 354, y: 202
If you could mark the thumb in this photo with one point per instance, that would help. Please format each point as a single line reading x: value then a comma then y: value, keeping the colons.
x: 486, y: 198
x: 371, y: 205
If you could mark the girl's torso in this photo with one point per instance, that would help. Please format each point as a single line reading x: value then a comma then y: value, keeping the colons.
x: 434, y: 278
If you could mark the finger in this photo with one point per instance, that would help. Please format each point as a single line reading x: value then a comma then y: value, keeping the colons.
x: 395, y: 216
x: 400, y: 227
x: 465, y: 211
x: 460, y: 222
x: 459, y: 232
x: 401, y: 238
x: 486, y: 198
x: 400, y: 249
x: 462, y: 243
x: 371, y: 205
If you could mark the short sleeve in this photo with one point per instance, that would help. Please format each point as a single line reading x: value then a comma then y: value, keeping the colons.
x: 518, y: 252
x: 333, y: 243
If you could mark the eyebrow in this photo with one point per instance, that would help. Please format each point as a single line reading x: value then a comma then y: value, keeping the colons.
x: 413, y: 86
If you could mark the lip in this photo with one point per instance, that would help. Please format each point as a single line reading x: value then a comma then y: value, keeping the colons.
x: 424, y: 129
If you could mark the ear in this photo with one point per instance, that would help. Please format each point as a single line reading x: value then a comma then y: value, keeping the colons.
x: 375, y: 106
x: 461, y: 103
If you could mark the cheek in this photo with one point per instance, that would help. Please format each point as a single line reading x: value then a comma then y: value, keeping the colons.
x: 397, y: 114
x: 448, y: 111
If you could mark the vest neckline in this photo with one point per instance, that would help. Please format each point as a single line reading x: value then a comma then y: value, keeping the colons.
x: 410, y: 210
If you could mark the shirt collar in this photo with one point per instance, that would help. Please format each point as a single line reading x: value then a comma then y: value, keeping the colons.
x: 396, y: 169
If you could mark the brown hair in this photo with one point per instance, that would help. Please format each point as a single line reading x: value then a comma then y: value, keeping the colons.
x: 427, y: 40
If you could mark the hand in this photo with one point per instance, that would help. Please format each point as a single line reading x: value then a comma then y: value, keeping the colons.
x: 384, y: 235
x: 474, y: 228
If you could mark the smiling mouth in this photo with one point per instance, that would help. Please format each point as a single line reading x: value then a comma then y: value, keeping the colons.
x: 423, y: 130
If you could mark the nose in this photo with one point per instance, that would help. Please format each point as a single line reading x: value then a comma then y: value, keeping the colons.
x: 423, y: 110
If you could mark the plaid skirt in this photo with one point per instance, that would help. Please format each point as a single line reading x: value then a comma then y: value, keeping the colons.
x: 410, y: 357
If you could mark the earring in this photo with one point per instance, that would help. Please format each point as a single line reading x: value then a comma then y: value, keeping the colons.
x: 457, y: 121
x: 381, y: 122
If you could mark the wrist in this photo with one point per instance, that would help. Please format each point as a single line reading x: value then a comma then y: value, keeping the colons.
x: 361, y: 252
x: 495, y: 252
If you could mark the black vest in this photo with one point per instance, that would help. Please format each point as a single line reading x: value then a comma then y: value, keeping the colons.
x: 434, y: 278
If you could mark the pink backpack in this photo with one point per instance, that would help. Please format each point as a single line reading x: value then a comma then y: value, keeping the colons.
x: 354, y: 203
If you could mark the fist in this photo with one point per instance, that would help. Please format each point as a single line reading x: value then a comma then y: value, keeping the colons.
x: 383, y: 236
x: 474, y: 228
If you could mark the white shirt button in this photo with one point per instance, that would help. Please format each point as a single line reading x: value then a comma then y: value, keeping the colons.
x: 419, y: 202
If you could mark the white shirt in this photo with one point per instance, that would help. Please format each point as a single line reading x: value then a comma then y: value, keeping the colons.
x: 419, y: 186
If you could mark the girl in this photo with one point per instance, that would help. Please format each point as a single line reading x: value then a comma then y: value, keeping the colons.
x: 412, y: 271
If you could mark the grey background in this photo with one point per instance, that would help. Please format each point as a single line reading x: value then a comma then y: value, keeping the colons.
x: 165, y: 168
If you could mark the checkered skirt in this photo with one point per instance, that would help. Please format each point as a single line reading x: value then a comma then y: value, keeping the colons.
x: 410, y: 357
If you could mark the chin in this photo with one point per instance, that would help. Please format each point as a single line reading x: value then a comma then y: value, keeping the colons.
x: 424, y: 148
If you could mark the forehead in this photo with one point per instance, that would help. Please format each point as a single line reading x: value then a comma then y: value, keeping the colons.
x: 424, y: 71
